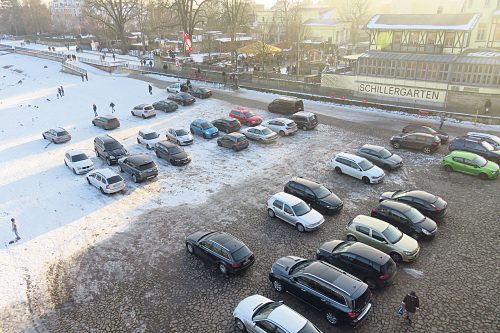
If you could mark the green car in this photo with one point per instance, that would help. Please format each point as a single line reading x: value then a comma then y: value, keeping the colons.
x: 470, y: 163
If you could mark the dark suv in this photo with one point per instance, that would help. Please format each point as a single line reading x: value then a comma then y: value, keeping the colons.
x: 427, y: 203
x: 109, y: 149
x: 428, y: 143
x: 140, y: 167
x: 286, y: 105
x: 227, y: 125
x: 339, y: 295
x: 406, y: 218
x: 318, y: 196
x: 226, y: 251
x: 373, y: 266
x: 305, y: 120
x: 476, y: 146
x: 417, y: 128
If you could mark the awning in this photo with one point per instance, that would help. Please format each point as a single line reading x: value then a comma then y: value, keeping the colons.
x: 259, y: 48
x: 352, y: 56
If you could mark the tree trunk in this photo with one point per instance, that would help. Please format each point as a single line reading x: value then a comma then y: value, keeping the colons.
x: 123, y: 41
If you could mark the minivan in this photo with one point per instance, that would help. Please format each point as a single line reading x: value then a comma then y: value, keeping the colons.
x: 286, y: 105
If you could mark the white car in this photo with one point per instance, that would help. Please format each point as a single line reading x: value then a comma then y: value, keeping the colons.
x: 259, y: 314
x: 490, y: 138
x: 174, y: 88
x: 78, y: 161
x: 106, y: 180
x: 282, y: 126
x: 357, y: 167
x: 179, y: 136
x: 148, y: 137
x: 144, y: 111
x: 259, y: 133
x: 294, y: 211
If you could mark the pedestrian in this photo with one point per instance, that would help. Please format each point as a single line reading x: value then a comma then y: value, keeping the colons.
x: 442, y: 118
x: 59, y: 92
x: 14, y: 228
x: 411, y: 304
x: 150, y: 89
x: 94, y: 107
x: 151, y: 63
x: 86, y: 77
x: 114, y: 57
x: 83, y: 77
x: 62, y: 91
x: 487, y: 106
x: 112, y: 106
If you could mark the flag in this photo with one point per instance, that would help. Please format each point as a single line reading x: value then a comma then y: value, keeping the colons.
x: 187, y: 43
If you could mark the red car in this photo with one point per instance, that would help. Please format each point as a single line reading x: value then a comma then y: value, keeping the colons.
x: 245, y: 116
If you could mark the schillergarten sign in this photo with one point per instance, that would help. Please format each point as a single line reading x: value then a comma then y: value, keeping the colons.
x: 402, y: 92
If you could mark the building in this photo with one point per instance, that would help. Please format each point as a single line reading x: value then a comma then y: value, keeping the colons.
x: 487, y: 32
x: 327, y: 27
x: 66, y: 15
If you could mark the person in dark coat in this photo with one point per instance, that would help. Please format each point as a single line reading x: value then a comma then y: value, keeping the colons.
x: 112, y: 106
x: 59, y: 94
x: 62, y: 91
x: 83, y: 77
x: 94, y: 107
x: 150, y: 89
x: 86, y: 77
x: 411, y: 304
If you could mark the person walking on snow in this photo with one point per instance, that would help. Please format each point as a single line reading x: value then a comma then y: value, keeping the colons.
x: 83, y: 78
x: 94, y: 107
x: 411, y: 304
x: 86, y: 77
x: 14, y: 228
x: 62, y: 91
x: 442, y: 118
x: 59, y: 94
x: 150, y: 89
x: 112, y: 106
x: 114, y: 57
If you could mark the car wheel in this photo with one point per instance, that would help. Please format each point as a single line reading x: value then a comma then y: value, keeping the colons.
x: 239, y: 324
x: 282, y: 133
x: 270, y: 212
x: 371, y: 283
x: 366, y: 180
x: 300, y: 227
x: 171, y: 162
x: 157, y: 155
x: 351, y: 238
x: 192, y: 132
x: 109, y: 162
x: 427, y: 150
x: 189, y: 248
x: 121, y: 170
x: 278, y: 286
x: 88, y: 181
x: 218, y: 143
x: 223, y: 268
x: 331, y: 318
x: 102, y: 191
x: 149, y: 146
x: 234, y: 148
x: 139, y: 142
x: 97, y: 153
x: 134, y: 178
x: 44, y: 137
x: 65, y: 163
x: 396, y: 257
x: 448, y: 168
x: 338, y: 170
x: 483, y: 176
x: 143, y: 116
x: 304, y: 128
x: 415, y: 236
x: 178, y: 143
x: 74, y: 171
x: 93, y: 123
x: 132, y: 113
x: 396, y: 145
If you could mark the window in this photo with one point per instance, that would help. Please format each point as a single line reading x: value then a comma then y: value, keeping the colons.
x: 496, y: 36
x: 413, y: 40
x: 377, y: 236
x: 309, y: 193
x: 431, y: 38
x: 449, y: 39
x: 266, y: 326
x: 278, y: 204
x: 397, y: 37
x: 481, y: 32
x: 363, y: 230
x: 288, y: 210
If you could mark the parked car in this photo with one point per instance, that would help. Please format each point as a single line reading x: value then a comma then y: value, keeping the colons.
x: 368, y: 264
x: 200, y: 92
x: 470, y: 163
x: 172, y: 153
x: 227, y: 125
x: 144, y: 111
x: 245, y: 116
x: 257, y: 314
x: 383, y: 236
x: 416, y: 128
x: 476, y: 146
x: 339, y: 295
x: 174, y: 88
x: 428, y: 143
x: 305, y: 120
x: 179, y: 136
x: 204, y: 128
x: 318, y: 196
x: 165, y: 105
x: 380, y: 156
x: 493, y: 140
x: 406, y: 218
x: 229, y: 253
x: 286, y: 105
x: 357, y: 167
x: 182, y: 98
x: 260, y: 133
x: 57, y: 135
x: 106, y: 180
x: 140, y: 167
x: 282, y: 126
x: 294, y: 211
x: 235, y: 141
x: 107, y: 122
x: 148, y: 137
x: 78, y: 162
x: 109, y: 149
x: 427, y: 203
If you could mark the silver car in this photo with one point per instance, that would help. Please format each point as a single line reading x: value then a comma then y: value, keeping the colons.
x: 179, y: 136
x: 380, y: 156
x: 106, y: 180
x: 282, y: 126
x: 57, y: 135
x: 259, y: 133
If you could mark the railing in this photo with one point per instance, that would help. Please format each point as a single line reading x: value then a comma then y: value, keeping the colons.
x: 96, y: 62
x: 75, y: 68
x: 60, y: 56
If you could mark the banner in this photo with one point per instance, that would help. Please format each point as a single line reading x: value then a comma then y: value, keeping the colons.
x: 187, y: 43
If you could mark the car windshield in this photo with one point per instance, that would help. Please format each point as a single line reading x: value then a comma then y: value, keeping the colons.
x: 181, y: 132
x: 112, y: 145
x: 152, y: 135
x: 322, y: 192
x: 206, y: 125
x: 241, y: 253
x: 241, y: 139
x: 265, y: 310
x: 185, y: 95
x: 114, y: 179
x: 479, y: 161
x: 79, y: 157
x: 384, y: 153
x: 429, y: 130
x: 175, y: 150
x: 297, y: 268
x: 249, y: 114
x: 148, y: 108
x: 266, y: 131
x: 487, y: 146
x: 301, y: 209
x: 146, y: 166
x: 365, y: 165
x: 392, y: 234
x: 309, y: 328
x: 62, y: 133
x: 415, y: 216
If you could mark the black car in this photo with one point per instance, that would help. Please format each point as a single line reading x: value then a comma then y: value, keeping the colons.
x: 109, y: 149
x: 339, y: 295
x: 229, y: 253
x: 476, y: 146
x: 428, y: 204
x: 417, y: 128
x: 373, y: 266
x: 406, y: 218
x: 318, y: 196
x: 227, y: 125
x: 172, y: 153
x: 428, y: 143
x: 200, y: 92
x: 182, y: 98
x: 235, y: 141
x: 165, y: 106
x: 305, y: 120
x: 286, y: 105
x: 140, y: 167
x: 380, y: 157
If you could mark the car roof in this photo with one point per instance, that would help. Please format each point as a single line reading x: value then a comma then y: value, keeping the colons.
x: 482, y: 135
x: 167, y: 144
x: 108, y: 116
x: 147, y: 131
x: 259, y: 127
x: 399, y: 206
x: 142, y: 105
x: 334, y: 276
x: 353, y: 157
x: 226, y: 119
x: 422, y: 134
x: 306, y: 182
x: 199, y: 121
x: 240, y: 108
x: 303, y: 113
x: 59, y: 129
x: 420, y: 194
x: 73, y: 152
x: 106, y: 138
x: 371, y: 222
x: 288, y: 98
x: 373, y: 147
x: 285, y: 120
x: 463, y: 154
x: 236, y: 135
x: 287, y: 318
x: 230, y: 242
x: 368, y: 252
x: 139, y: 159
x: 468, y: 138
x: 287, y: 198
x: 106, y: 172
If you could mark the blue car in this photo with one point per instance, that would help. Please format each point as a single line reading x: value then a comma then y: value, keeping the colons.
x: 204, y: 128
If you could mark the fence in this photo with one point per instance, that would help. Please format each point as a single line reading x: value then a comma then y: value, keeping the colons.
x: 75, y: 68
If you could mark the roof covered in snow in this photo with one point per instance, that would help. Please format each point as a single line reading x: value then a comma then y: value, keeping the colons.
x: 464, y: 22
x: 479, y: 58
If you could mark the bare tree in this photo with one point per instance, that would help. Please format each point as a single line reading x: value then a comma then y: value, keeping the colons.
x: 10, y: 17
x: 355, y: 11
x: 235, y: 17
x: 286, y: 13
x: 189, y: 14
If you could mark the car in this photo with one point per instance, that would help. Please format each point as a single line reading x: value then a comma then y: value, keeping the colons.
x: 257, y: 314
x: 428, y: 204
x: 493, y: 140
x: 428, y: 143
x: 174, y: 88
x: 165, y: 105
x: 380, y: 156
x: 172, y: 153
x: 144, y: 111
x: 148, y: 137
x: 339, y: 295
x: 294, y: 211
x: 476, y: 146
x: 106, y: 180
x: 227, y: 125
x: 305, y: 120
x: 315, y: 194
x: 57, y: 135
x: 229, y: 253
x: 286, y: 105
x: 140, y: 167
x: 107, y: 122
x: 406, y: 218
x: 357, y: 167
x: 368, y: 264
x: 417, y: 128
x: 282, y: 126
x: 109, y: 149
x: 259, y: 133
x: 200, y: 92
x: 204, y: 128
x: 470, y: 163
x: 245, y: 116
x: 235, y: 141
x: 179, y: 136
x: 78, y: 162
x: 383, y: 236
x: 182, y: 98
